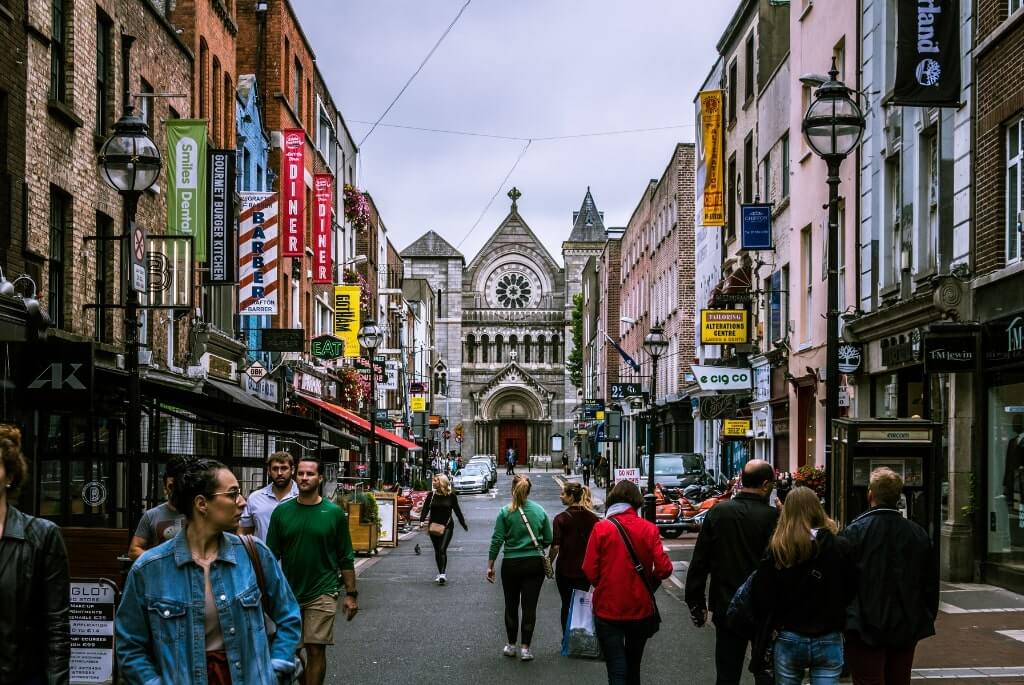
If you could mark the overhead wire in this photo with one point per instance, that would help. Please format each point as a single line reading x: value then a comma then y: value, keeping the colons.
x: 498, y: 136
x: 501, y: 185
x: 416, y: 73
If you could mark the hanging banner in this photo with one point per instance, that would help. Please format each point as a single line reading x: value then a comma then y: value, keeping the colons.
x: 221, y: 235
x: 293, y: 192
x: 927, y: 54
x: 186, y: 182
x: 346, y: 317
x: 756, y: 227
x: 711, y: 135
x: 257, y: 254
x: 323, y: 199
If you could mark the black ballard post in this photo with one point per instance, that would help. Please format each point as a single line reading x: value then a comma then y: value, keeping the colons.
x: 833, y: 127
x: 370, y: 337
x: 130, y: 163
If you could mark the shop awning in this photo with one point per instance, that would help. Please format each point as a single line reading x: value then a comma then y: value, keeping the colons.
x: 358, y: 421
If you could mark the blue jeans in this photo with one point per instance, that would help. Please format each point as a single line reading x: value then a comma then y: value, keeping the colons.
x: 623, y: 645
x: 796, y: 654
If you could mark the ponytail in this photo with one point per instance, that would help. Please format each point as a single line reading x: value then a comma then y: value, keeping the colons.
x: 520, y: 491
x: 579, y: 494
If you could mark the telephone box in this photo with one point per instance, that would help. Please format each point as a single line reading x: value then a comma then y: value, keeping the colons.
x: 910, y: 447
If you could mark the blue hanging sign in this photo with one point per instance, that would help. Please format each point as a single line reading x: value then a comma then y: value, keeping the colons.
x: 756, y: 227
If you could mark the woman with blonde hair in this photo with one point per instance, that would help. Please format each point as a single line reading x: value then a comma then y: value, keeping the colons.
x: 524, y: 530
x: 572, y: 530
x: 802, y: 588
x: 438, y: 510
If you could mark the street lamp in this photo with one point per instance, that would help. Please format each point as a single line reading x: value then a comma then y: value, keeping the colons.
x: 370, y: 336
x: 655, y: 343
x: 129, y: 162
x: 833, y: 126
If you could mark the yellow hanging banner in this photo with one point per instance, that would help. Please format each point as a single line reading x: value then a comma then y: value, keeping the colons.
x: 735, y: 428
x: 346, y: 317
x: 711, y: 136
x: 418, y: 403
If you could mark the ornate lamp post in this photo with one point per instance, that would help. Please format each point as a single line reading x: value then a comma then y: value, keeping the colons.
x: 129, y: 163
x: 370, y: 336
x: 655, y: 343
x: 833, y: 126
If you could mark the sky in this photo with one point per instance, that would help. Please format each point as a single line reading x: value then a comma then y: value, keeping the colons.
x: 526, y: 69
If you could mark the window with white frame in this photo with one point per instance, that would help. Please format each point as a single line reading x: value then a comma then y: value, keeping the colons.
x: 1014, y: 190
x: 1015, y: 5
x: 807, y: 262
x: 894, y: 213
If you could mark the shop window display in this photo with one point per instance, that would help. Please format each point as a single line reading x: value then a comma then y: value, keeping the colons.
x: 1006, y: 474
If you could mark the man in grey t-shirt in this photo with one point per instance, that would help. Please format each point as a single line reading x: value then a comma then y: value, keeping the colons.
x: 162, y: 522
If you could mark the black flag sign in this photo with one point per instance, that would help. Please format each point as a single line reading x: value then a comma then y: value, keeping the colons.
x: 928, y: 54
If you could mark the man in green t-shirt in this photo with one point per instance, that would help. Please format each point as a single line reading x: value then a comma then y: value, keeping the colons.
x: 310, y: 536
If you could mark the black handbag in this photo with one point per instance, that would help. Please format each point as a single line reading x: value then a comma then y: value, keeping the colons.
x: 653, y: 622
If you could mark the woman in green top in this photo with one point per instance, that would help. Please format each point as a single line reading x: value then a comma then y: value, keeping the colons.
x: 524, y: 530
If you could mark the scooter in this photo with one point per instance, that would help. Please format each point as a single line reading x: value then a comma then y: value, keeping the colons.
x: 687, y: 510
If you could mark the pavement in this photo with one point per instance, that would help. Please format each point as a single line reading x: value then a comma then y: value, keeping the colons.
x: 411, y: 630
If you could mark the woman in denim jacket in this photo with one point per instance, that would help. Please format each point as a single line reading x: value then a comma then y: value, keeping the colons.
x: 192, y: 611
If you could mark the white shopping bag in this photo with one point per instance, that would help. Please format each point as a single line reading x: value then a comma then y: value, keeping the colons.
x: 580, y: 639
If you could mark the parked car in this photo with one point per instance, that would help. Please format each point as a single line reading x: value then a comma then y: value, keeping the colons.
x: 492, y: 467
x: 472, y: 478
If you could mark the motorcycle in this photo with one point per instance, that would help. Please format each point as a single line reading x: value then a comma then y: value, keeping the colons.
x: 685, y: 511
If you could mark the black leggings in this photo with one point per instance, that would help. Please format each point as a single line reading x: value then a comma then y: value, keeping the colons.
x: 521, y: 581
x: 565, y: 588
x: 440, y: 543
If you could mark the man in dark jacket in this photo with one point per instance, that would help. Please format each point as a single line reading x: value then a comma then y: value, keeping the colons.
x: 898, y: 592
x: 731, y: 543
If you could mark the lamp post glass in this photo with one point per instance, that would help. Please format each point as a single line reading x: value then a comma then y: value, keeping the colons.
x: 833, y: 126
x: 655, y: 344
x: 129, y: 162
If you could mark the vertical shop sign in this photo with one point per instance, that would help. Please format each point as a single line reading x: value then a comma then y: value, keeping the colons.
x: 323, y: 199
x: 927, y: 54
x: 346, y: 317
x: 220, y: 241
x: 257, y: 254
x: 186, y: 182
x: 711, y: 135
x: 293, y: 192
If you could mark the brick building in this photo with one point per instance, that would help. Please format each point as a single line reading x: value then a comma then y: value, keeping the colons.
x: 13, y: 69
x: 998, y: 269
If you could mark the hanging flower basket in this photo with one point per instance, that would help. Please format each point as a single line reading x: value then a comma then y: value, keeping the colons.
x: 811, y: 477
x: 357, y: 209
x: 353, y: 388
x: 353, y: 277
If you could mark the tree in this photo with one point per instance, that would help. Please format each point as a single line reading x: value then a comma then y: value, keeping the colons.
x: 575, y: 363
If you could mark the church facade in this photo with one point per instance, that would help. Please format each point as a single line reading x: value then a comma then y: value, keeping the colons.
x: 503, y: 333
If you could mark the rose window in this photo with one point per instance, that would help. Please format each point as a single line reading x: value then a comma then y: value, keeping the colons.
x: 513, y: 291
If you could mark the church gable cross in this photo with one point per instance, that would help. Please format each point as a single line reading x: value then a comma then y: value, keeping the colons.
x: 515, y: 195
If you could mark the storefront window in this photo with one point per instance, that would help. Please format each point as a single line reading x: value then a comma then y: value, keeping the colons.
x: 1006, y: 473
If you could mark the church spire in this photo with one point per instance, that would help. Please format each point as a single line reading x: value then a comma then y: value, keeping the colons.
x: 588, y: 223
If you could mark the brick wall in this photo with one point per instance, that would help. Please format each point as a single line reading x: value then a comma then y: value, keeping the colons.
x: 685, y: 207
x: 635, y: 290
x: 1000, y: 96
x: 12, y: 139
x: 610, y: 286
x: 65, y: 143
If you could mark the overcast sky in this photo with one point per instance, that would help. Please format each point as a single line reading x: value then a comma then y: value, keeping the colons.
x: 526, y: 69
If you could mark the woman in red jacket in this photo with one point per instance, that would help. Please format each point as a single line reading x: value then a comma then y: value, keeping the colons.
x: 624, y: 609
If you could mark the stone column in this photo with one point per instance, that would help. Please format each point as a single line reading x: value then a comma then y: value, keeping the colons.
x: 956, y: 545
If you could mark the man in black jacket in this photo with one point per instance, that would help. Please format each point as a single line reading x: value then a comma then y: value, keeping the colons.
x: 898, y: 593
x: 731, y: 543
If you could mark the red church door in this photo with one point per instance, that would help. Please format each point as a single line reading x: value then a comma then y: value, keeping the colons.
x: 512, y: 434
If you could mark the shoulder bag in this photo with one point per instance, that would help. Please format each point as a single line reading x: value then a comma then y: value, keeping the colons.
x: 652, y: 622
x: 437, y: 529
x: 549, y: 572
x: 271, y: 629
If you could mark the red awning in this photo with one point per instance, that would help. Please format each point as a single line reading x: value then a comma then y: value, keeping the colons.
x: 360, y: 422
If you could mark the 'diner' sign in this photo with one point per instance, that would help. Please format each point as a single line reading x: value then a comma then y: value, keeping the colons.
x: 724, y: 327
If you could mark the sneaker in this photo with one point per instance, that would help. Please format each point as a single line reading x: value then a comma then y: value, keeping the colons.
x: 510, y: 650
x: 525, y: 654
x: 442, y: 579
x: 437, y: 579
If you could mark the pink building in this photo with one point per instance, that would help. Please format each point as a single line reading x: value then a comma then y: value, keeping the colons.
x: 819, y: 31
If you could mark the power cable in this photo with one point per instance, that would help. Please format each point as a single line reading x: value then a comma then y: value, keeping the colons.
x: 497, y: 136
x: 416, y: 73
x: 491, y: 201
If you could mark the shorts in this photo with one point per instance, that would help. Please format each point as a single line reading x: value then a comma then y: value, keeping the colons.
x: 318, y: 620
